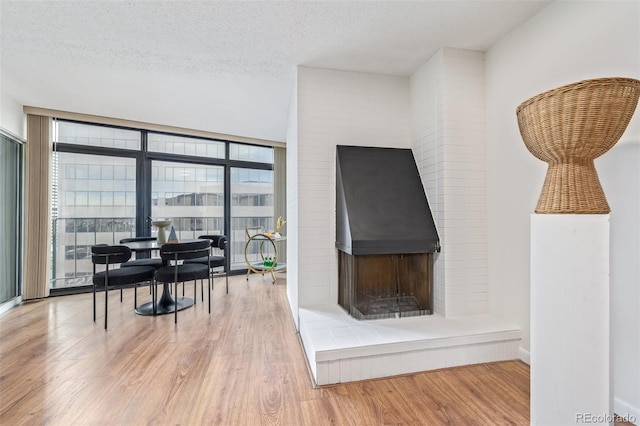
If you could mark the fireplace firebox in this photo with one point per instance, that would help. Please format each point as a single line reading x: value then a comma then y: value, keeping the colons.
x: 385, y: 234
x: 385, y: 286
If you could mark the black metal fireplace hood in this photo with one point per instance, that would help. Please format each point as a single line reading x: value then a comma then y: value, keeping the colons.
x: 381, y: 207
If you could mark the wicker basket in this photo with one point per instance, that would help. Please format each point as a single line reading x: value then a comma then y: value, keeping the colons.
x: 570, y: 126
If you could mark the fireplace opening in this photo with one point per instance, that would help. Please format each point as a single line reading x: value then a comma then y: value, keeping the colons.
x: 385, y: 286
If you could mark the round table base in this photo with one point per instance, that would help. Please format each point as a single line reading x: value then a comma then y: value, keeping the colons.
x: 162, y: 307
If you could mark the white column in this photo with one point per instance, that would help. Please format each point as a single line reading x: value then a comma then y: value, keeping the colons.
x: 570, y: 371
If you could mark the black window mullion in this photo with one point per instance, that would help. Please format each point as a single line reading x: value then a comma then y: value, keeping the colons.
x: 227, y: 207
x: 143, y: 191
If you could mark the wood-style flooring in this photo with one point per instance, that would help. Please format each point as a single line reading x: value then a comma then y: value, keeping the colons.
x: 240, y: 365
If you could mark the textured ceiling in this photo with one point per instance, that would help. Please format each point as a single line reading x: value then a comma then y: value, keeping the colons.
x: 222, y: 66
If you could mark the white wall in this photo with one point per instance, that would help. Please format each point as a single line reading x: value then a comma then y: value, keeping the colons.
x: 427, y: 143
x: 448, y: 140
x: 619, y: 171
x: 11, y: 116
x: 564, y: 43
x: 292, y: 207
x: 336, y: 108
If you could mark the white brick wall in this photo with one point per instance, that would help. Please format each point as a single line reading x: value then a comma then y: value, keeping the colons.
x: 337, y: 108
x: 427, y: 137
x: 447, y: 133
x: 439, y: 113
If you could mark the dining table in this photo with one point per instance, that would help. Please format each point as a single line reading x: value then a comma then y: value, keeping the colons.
x: 166, y: 304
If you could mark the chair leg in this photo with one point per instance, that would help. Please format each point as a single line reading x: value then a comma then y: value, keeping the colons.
x: 226, y: 277
x: 135, y: 295
x: 175, y: 321
x: 106, y: 303
x: 154, y: 290
x: 94, y: 302
x: 209, y: 291
x: 195, y: 292
x: 120, y: 294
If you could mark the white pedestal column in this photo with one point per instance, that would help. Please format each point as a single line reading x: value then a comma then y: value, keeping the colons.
x: 570, y: 372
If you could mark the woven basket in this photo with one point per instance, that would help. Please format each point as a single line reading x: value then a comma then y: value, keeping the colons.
x: 570, y: 126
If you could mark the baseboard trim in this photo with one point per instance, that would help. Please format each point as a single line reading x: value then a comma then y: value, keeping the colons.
x: 5, y: 307
x: 626, y: 411
x: 524, y: 355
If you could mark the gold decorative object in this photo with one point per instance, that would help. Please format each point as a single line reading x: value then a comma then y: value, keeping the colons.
x: 570, y: 126
x: 280, y: 223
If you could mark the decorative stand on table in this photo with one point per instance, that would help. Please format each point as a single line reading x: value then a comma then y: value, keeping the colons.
x: 268, y: 261
x: 161, y: 224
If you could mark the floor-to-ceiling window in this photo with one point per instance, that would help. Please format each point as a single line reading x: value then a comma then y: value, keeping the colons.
x: 10, y: 218
x: 251, y: 205
x: 110, y: 183
x: 94, y: 185
x: 95, y: 203
x: 252, y: 194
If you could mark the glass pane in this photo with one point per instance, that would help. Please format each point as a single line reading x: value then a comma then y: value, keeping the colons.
x: 92, y: 135
x: 172, y: 144
x: 260, y: 154
x: 92, y: 207
x: 179, y: 195
x: 10, y: 217
x: 251, y: 205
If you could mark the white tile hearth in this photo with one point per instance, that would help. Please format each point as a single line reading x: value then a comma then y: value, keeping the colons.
x: 340, y: 348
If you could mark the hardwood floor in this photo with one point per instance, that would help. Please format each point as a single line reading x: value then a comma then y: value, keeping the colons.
x: 241, y: 365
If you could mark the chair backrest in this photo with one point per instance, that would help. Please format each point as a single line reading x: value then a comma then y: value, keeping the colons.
x: 217, y: 241
x: 181, y: 251
x: 132, y: 239
x: 103, y: 254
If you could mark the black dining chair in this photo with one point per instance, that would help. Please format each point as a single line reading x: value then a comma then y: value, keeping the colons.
x: 215, y: 261
x: 177, y: 270
x: 156, y: 262
x: 103, y: 254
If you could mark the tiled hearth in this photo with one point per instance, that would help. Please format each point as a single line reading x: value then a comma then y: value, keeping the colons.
x: 340, y: 348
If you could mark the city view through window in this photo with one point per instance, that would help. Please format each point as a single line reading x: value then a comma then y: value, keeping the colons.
x: 108, y: 183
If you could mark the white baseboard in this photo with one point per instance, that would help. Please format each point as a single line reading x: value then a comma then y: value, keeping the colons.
x: 627, y: 411
x: 5, y: 307
x: 524, y: 355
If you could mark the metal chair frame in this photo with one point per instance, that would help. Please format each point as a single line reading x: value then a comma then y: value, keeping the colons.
x: 173, y: 253
x: 103, y: 254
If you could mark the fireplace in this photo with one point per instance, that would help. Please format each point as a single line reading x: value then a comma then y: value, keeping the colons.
x: 385, y: 234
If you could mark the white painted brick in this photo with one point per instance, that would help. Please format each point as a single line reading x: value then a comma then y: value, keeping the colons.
x: 446, y: 123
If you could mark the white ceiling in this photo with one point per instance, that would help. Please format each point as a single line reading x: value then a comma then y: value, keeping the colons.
x: 223, y: 66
